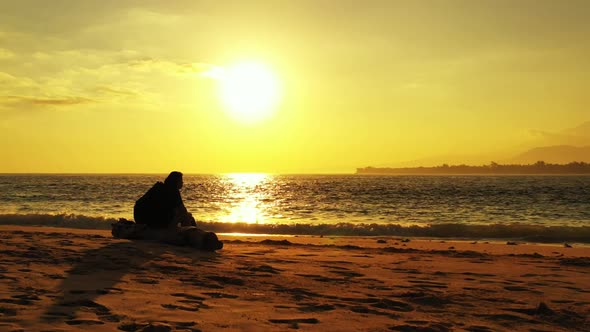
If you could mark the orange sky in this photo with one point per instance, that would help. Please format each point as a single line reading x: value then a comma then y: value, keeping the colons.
x: 120, y: 86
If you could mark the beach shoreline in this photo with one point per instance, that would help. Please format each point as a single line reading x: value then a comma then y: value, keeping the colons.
x: 61, y: 279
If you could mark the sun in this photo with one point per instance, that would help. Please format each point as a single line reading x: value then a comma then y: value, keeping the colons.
x: 249, y: 91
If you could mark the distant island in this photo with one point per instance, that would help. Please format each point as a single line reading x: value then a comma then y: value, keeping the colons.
x: 539, y: 167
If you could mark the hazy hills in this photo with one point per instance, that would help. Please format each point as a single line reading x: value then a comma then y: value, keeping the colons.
x: 557, y: 154
x: 555, y: 147
x: 561, y: 147
x: 560, y: 154
x: 577, y: 136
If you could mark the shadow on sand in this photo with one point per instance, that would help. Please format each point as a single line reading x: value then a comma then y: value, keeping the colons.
x: 101, y: 271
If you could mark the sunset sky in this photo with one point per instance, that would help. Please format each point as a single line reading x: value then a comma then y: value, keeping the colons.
x: 131, y: 86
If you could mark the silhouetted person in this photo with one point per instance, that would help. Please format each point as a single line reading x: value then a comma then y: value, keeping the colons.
x: 161, y: 215
x: 162, y: 207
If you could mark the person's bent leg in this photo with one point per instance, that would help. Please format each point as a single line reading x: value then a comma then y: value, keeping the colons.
x: 199, y: 239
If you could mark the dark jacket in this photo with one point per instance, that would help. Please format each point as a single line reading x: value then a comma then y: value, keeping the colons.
x: 157, y: 207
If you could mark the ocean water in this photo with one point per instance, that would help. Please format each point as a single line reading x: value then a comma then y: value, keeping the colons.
x: 550, y: 208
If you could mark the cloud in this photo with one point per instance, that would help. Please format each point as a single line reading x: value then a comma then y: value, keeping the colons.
x: 8, y: 81
x: 5, y: 54
x: 23, y: 91
x: 170, y: 67
x: 119, y: 79
x: 116, y: 91
x: 55, y: 101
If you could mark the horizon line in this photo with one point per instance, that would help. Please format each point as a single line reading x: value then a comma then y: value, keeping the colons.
x: 160, y: 173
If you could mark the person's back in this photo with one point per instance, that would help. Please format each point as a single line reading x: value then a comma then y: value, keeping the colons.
x: 157, y: 207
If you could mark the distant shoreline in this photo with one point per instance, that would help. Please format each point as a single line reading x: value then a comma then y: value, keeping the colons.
x: 539, y: 168
x: 474, y: 174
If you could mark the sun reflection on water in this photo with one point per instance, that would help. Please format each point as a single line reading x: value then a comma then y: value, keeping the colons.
x: 246, y: 197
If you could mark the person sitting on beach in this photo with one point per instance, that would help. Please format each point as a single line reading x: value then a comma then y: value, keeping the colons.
x: 162, y: 207
x: 161, y: 215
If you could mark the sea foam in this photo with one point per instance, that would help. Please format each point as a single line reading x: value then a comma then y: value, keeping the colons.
x: 524, y: 232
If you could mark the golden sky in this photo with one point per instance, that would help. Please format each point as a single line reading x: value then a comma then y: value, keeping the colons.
x: 122, y: 86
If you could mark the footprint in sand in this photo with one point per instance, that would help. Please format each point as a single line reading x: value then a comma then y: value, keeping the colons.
x: 478, y: 274
x: 110, y: 290
x: 158, y: 326
x: 427, y: 299
x: 24, y: 299
x: 580, y: 290
x: 55, y: 276
x: 348, y: 274
x: 418, y: 322
x: 482, y: 290
x: 436, y: 327
x: 146, y: 281
x: 336, y: 262
x: 294, y: 323
x: 262, y: 268
x: 200, y: 283
x: 184, y: 325
x: 282, y: 261
x: 366, y: 310
x: 300, y: 294
x: 170, y: 269
x: 393, y: 305
x: 189, y: 299
x: 221, y: 295
x: 312, y: 307
x: 227, y: 280
x: 84, y: 322
x: 428, y: 284
x: 7, y: 312
x: 58, y: 316
x: 520, y: 289
x: 478, y: 328
x: 380, y: 303
x: 562, y: 301
x: 381, y: 288
x: 179, y: 307
x: 513, y: 319
x: 132, y: 327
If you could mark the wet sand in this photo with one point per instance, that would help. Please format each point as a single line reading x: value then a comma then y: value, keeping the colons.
x: 57, y: 279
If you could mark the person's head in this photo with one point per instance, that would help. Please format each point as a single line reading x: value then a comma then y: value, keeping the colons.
x: 174, y: 179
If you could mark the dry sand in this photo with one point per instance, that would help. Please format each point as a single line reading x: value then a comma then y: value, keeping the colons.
x: 67, y: 280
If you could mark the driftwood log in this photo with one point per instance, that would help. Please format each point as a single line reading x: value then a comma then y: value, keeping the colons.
x: 181, y: 236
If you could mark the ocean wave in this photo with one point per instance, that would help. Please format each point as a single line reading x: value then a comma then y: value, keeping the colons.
x: 532, y: 233
x: 523, y: 232
x: 57, y: 220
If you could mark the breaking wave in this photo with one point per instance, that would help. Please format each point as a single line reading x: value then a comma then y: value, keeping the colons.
x: 57, y: 220
x: 524, y: 232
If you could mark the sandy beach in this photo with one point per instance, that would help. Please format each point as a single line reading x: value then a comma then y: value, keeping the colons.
x: 57, y: 279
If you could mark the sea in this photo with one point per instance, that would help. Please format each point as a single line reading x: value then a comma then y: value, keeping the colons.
x: 531, y: 208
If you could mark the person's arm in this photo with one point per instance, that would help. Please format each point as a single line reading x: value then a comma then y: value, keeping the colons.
x: 181, y: 214
x: 184, y: 218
